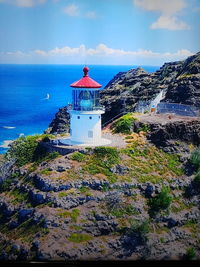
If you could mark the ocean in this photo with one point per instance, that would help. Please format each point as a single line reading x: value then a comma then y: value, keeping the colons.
x: 30, y: 95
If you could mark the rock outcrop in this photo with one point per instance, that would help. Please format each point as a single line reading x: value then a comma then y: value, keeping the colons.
x: 60, y: 123
x: 180, y: 80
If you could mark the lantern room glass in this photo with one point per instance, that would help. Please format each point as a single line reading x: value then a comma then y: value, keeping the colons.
x: 86, y: 100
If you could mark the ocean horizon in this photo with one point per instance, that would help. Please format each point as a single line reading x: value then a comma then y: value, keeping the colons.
x: 31, y: 94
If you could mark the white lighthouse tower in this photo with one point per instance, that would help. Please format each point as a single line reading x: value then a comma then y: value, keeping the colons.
x: 85, y: 114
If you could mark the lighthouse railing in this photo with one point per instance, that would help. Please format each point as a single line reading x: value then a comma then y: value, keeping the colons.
x: 80, y: 108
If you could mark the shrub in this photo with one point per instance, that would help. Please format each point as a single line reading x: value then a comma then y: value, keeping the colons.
x: 78, y: 156
x: 197, y: 179
x: 27, y: 149
x: 145, y: 128
x: 195, y: 158
x: 6, y: 184
x: 123, y: 124
x: 23, y: 150
x: 190, y: 254
x: 139, y: 228
x: 161, y: 201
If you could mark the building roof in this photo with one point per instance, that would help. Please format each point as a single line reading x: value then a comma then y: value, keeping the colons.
x: 86, y: 81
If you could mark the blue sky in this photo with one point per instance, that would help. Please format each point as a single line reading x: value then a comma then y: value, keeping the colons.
x: 135, y: 32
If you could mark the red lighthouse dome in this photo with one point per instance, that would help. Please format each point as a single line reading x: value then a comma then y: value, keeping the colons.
x: 86, y: 81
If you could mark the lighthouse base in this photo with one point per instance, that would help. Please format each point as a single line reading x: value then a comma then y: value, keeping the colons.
x: 69, y: 142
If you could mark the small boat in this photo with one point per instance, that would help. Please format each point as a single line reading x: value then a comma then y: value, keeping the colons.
x: 8, y: 127
x: 48, y: 96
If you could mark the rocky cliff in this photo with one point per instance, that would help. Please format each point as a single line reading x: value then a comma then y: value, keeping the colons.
x: 181, y: 80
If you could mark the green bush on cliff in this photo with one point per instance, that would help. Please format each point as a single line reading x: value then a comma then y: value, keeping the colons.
x: 123, y: 124
x: 195, y: 158
x: 27, y: 149
x: 78, y: 156
x: 161, y: 202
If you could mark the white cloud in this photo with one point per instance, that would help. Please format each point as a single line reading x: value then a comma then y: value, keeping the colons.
x: 103, y: 50
x: 101, y: 54
x: 40, y: 52
x: 165, y: 6
x: 169, y: 10
x: 24, y: 3
x: 72, y: 10
x: 170, y: 23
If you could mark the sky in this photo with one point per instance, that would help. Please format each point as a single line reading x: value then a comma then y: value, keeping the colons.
x: 108, y: 32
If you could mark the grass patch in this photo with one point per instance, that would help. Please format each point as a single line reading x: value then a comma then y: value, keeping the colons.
x: 179, y: 205
x: 25, y: 231
x: 46, y: 172
x: 101, y: 160
x: 73, y: 214
x: 122, y: 211
x: 18, y: 197
x: 149, y: 164
x: 79, y: 238
x: 66, y: 193
x: 80, y: 157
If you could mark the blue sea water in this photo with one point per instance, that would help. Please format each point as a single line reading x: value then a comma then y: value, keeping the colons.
x: 23, y: 89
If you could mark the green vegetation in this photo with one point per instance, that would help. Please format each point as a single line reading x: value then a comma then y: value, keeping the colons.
x: 26, y: 231
x: 85, y: 190
x: 178, y: 205
x: 149, y: 164
x: 197, y: 179
x: 123, y: 124
x: 18, y: 196
x: 102, y: 159
x: 79, y: 238
x: 195, y: 158
x: 139, y: 228
x: 6, y: 184
x: 190, y: 254
x: 73, y: 214
x: 45, y: 172
x: 80, y: 157
x: 145, y: 128
x: 161, y: 202
x: 27, y: 149
x: 124, y: 210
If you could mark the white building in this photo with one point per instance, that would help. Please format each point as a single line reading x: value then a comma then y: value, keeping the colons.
x: 85, y: 114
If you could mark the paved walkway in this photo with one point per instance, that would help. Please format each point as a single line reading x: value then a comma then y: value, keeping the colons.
x: 117, y: 140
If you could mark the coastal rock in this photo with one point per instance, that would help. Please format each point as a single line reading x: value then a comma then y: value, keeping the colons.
x: 60, y: 123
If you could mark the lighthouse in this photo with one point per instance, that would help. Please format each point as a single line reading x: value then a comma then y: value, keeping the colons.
x: 85, y: 113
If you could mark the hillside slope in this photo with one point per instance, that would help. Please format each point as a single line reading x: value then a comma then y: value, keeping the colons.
x: 101, y: 204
